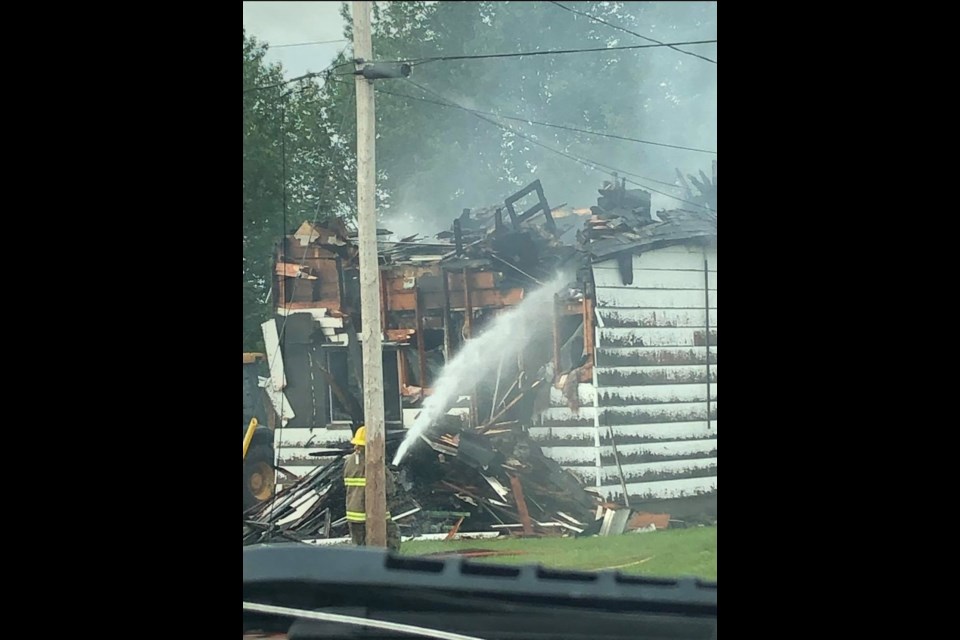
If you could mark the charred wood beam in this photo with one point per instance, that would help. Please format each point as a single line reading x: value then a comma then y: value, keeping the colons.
x: 458, y: 236
x: 468, y: 305
x: 521, y: 504
x: 354, y: 354
x: 507, y: 394
x: 353, y: 407
x: 515, y: 268
x: 541, y: 206
x: 340, y: 288
x: 468, y: 329
x: 421, y: 347
x: 480, y: 499
x: 447, y: 338
x: 514, y: 402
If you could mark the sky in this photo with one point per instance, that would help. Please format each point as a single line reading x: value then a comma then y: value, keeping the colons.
x: 280, y: 23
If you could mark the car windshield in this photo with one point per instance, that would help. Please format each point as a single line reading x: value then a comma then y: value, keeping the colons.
x: 480, y: 287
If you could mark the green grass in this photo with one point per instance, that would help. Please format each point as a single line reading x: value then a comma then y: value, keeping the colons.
x: 674, y: 552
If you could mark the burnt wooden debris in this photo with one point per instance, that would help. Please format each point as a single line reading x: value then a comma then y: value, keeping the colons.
x: 471, y: 479
x: 622, y: 222
x: 436, y: 293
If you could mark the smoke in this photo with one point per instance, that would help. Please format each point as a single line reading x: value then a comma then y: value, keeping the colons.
x: 660, y: 95
x: 425, y: 212
x: 479, y: 357
x: 459, y: 161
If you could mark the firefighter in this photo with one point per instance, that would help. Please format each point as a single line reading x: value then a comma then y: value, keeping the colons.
x: 354, y: 477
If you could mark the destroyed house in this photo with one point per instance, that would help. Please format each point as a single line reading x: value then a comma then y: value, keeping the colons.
x: 435, y: 294
x: 620, y: 391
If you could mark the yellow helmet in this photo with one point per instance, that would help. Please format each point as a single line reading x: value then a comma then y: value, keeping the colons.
x: 360, y: 437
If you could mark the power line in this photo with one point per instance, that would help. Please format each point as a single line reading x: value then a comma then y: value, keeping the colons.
x: 549, y: 124
x: 634, y: 33
x: 475, y: 112
x: 305, y: 76
x: 557, y: 51
x: 584, y: 161
x: 305, y: 44
x: 418, y: 61
x: 536, y: 142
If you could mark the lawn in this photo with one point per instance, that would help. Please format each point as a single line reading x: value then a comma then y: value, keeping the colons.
x: 673, y: 552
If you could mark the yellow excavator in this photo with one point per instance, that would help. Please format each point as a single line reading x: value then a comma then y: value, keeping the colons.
x: 259, y: 476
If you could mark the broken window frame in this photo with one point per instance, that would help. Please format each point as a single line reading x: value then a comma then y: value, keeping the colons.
x: 388, y: 371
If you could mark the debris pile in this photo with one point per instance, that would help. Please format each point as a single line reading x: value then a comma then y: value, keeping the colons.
x: 617, y: 219
x: 466, y: 479
x: 622, y: 223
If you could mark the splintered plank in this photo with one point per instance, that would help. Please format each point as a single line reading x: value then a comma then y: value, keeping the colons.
x: 455, y: 529
x: 521, y: 504
x: 271, y: 340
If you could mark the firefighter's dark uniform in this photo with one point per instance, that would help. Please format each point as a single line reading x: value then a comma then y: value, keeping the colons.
x: 354, y: 477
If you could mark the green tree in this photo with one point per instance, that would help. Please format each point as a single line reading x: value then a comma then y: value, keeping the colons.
x: 297, y: 165
x: 262, y: 184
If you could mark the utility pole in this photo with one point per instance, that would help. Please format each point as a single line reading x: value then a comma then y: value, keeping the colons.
x: 375, y: 499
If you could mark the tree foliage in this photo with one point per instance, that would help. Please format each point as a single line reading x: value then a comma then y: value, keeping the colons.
x: 297, y: 165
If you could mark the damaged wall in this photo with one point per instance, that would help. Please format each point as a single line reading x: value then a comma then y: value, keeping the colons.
x: 652, y: 380
x: 321, y: 420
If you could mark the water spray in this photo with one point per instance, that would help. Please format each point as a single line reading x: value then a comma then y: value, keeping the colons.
x: 480, y: 356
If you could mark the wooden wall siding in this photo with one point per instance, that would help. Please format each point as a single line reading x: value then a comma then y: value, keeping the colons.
x: 655, y: 382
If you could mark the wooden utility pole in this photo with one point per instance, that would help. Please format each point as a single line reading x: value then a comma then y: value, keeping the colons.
x: 369, y: 283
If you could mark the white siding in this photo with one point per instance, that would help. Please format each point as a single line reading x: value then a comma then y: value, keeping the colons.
x: 654, y: 337
x: 647, y: 471
x: 625, y: 434
x: 293, y: 446
x: 680, y: 488
x: 612, y: 317
x: 653, y: 390
x: 579, y: 457
x: 660, y: 299
x: 693, y: 280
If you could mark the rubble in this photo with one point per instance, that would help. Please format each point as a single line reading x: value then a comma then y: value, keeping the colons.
x: 622, y: 223
x: 466, y: 480
x: 645, y: 520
